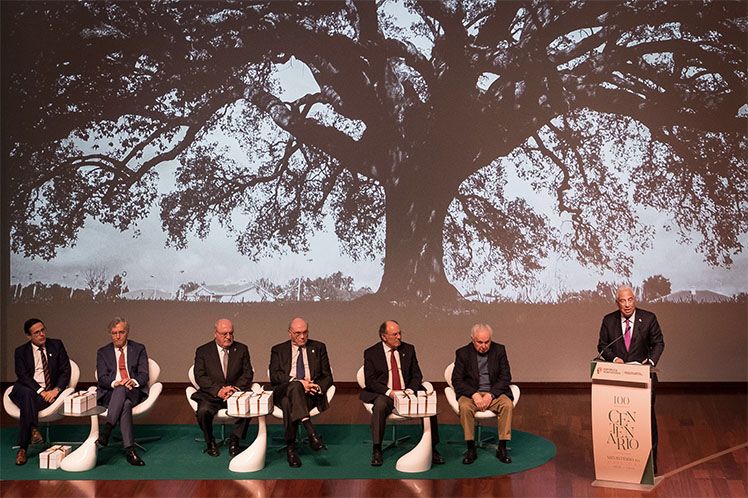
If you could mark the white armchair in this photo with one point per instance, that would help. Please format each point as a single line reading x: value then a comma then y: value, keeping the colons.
x: 480, y: 416
x: 393, y: 418
x: 54, y: 411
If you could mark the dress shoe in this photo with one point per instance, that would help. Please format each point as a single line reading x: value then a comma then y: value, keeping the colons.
x: 377, y: 458
x: 133, y: 458
x: 470, y: 456
x: 104, y: 434
x: 21, y: 457
x: 212, y: 449
x: 36, y: 436
x: 292, y: 455
x: 234, y: 448
x: 315, y: 441
x: 436, y: 458
x: 502, y: 454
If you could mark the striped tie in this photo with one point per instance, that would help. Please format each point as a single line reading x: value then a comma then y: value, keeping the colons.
x: 45, y: 366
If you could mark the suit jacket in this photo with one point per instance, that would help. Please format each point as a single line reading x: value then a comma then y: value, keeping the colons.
x: 107, y: 368
x: 57, y: 362
x: 209, y: 374
x: 646, y: 338
x: 377, y: 366
x: 466, y: 377
x: 319, y: 367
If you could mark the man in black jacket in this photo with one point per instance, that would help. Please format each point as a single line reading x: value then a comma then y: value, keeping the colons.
x: 481, y: 379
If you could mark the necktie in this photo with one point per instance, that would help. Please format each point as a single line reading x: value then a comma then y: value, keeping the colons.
x: 122, y: 368
x: 627, y: 335
x: 45, y: 367
x: 300, y: 372
x: 225, y: 361
x: 395, y: 372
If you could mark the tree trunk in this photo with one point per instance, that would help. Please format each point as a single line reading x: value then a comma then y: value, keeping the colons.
x: 414, y: 244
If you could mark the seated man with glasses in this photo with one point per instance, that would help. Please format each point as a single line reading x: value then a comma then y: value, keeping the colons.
x: 43, y: 370
x: 222, y: 367
x: 300, y: 375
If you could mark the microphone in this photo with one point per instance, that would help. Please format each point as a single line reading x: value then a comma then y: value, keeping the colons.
x: 600, y: 354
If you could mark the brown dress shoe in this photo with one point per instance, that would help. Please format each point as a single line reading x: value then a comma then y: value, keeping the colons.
x: 36, y: 436
x: 21, y: 457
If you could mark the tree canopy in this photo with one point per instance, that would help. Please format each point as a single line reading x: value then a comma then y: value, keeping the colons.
x: 418, y: 111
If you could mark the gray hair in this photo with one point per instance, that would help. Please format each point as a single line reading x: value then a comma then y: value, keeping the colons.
x: 481, y: 326
x: 622, y: 288
x: 117, y: 320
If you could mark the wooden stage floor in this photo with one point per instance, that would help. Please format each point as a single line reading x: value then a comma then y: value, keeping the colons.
x: 695, y: 425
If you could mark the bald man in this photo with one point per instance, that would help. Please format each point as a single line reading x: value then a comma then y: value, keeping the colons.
x: 300, y: 375
x: 222, y: 367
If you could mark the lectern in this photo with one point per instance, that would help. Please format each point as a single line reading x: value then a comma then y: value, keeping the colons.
x: 621, y: 426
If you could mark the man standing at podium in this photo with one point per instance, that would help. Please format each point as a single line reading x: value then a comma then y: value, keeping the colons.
x: 632, y: 334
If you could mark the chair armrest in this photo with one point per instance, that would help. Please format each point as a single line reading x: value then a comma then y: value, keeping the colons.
x: 428, y: 387
x: 10, y: 407
x: 56, y: 405
x: 189, y: 392
x: 145, y: 406
x: 451, y: 396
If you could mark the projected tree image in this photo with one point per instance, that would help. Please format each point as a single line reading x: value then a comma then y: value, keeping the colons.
x: 416, y: 115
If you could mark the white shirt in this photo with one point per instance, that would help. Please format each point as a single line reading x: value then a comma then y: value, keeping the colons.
x: 117, y: 354
x: 39, y: 367
x: 294, y: 359
x: 387, y: 351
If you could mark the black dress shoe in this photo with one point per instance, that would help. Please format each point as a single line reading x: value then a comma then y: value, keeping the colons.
x: 292, y: 455
x: 36, y: 436
x: 234, y: 448
x: 212, y: 449
x: 133, y: 458
x: 502, y: 455
x: 376, y: 458
x: 315, y: 441
x: 436, y: 458
x: 470, y: 456
x: 104, y: 434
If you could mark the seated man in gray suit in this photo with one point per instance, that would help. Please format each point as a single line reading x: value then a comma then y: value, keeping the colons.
x: 222, y: 367
x: 122, y: 373
x: 300, y: 374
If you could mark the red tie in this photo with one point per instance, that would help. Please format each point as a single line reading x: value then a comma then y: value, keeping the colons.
x: 395, y: 373
x: 122, y: 367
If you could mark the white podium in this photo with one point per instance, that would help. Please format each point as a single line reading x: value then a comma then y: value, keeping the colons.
x: 622, y: 426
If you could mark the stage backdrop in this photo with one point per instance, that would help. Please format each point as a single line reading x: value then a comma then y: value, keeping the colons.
x: 438, y: 163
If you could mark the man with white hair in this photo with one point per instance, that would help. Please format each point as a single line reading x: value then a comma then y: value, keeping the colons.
x: 632, y: 334
x: 481, y: 379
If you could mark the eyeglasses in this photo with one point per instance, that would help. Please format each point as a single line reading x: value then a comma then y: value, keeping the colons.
x: 303, y: 332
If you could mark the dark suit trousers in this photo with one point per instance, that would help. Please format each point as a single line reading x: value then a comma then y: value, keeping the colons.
x: 30, y: 404
x: 119, y: 406
x: 295, y: 404
x: 206, y: 412
x: 383, y: 406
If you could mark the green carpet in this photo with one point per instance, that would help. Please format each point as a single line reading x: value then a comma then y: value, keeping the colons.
x: 178, y: 456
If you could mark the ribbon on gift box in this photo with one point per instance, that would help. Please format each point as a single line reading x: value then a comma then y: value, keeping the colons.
x: 259, y: 396
x: 237, y: 397
x: 427, y: 396
x: 410, y: 399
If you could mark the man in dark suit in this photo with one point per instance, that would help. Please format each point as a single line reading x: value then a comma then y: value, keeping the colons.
x: 222, y: 367
x: 122, y: 382
x: 481, y: 379
x: 391, y: 365
x: 632, y: 334
x: 43, y: 371
x: 300, y: 375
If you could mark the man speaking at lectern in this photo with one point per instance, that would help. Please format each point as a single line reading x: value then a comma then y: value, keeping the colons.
x: 632, y: 334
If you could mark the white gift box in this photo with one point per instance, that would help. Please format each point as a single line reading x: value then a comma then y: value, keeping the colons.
x: 261, y: 403
x: 80, y: 402
x: 426, y: 403
x: 238, y: 403
x: 51, y: 457
x: 405, y: 403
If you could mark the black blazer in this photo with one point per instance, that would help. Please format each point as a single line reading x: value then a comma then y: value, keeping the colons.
x: 376, y: 370
x: 209, y: 374
x: 319, y: 367
x: 107, y: 368
x: 57, y: 362
x: 646, y: 338
x: 466, y: 378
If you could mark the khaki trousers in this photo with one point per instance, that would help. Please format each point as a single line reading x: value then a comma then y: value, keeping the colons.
x: 501, y: 406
